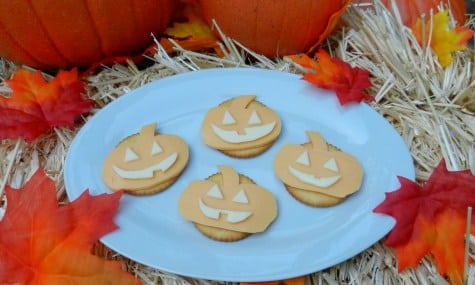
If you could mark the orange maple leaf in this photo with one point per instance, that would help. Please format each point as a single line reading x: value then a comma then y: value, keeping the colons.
x: 334, y: 74
x: 42, y: 243
x: 443, y: 238
x: 37, y: 105
x: 190, y: 30
x: 441, y: 38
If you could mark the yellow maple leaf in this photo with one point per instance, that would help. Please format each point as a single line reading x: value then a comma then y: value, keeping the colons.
x: 190, y: 30
x: 441, y: 38
x: 193, y: 26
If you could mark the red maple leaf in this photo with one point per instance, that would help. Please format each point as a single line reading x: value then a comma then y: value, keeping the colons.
x: 334, y: 74
x: 42, y: 243
x: 444, y: 189
x: 37, y: 105
x: 420, y: 221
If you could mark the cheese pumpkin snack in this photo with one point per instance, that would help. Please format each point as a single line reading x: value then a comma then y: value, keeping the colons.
x: 227, y: 206
x: 241, y: 127
x: 146, y: 162
x: 316, y: 173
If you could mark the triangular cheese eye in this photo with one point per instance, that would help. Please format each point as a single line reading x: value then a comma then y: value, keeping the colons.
x: 241, y: 197
x: 303, y: 159
x: 130, y: 155
x: 254, y: 119
x: 156, y: 148
x: 228, y: 118
x: 331, y: 165
x: 215, y: 192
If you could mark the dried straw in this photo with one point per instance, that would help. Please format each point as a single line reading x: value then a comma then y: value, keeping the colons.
x: 432, y: 108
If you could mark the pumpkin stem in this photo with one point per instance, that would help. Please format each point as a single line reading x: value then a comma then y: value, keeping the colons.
x: 148, y: 132
x: 243, y: 101
x: 230, y: 176
x: 318, y: 142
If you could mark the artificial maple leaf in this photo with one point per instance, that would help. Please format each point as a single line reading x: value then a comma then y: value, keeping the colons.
x: 442, y: 39
x: 421, y: 226
x: 189, y: 22
x: 443, y: 237
x: 37, y: 105
x: 42, y: 243
x: 190, y: 30
x: 444, y: 189
x: 334, y: 74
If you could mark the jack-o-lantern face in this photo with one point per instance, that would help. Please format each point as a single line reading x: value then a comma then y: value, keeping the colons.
x: 144, y: 161
x: 230, y: 204
x: 313, y: 167
x: 240, y: 121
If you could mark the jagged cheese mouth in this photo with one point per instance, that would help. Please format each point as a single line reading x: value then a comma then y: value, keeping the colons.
x: 322, y: 182
x: 250, y: 133
x: 147, y: 172
x: 231, y: 216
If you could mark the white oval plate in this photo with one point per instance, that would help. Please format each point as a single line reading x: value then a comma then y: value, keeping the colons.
x: 302, y: 239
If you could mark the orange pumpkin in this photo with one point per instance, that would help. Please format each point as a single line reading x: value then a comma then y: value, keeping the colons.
x: 60, y: 34
x: 146, y: 162
x: 411, y: 10
x: 275, y: 27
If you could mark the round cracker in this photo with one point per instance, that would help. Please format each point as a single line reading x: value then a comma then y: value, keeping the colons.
x: 153, y: 189
x: 313, y: 198
x: 246, y: 153
x: 220, y: 234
